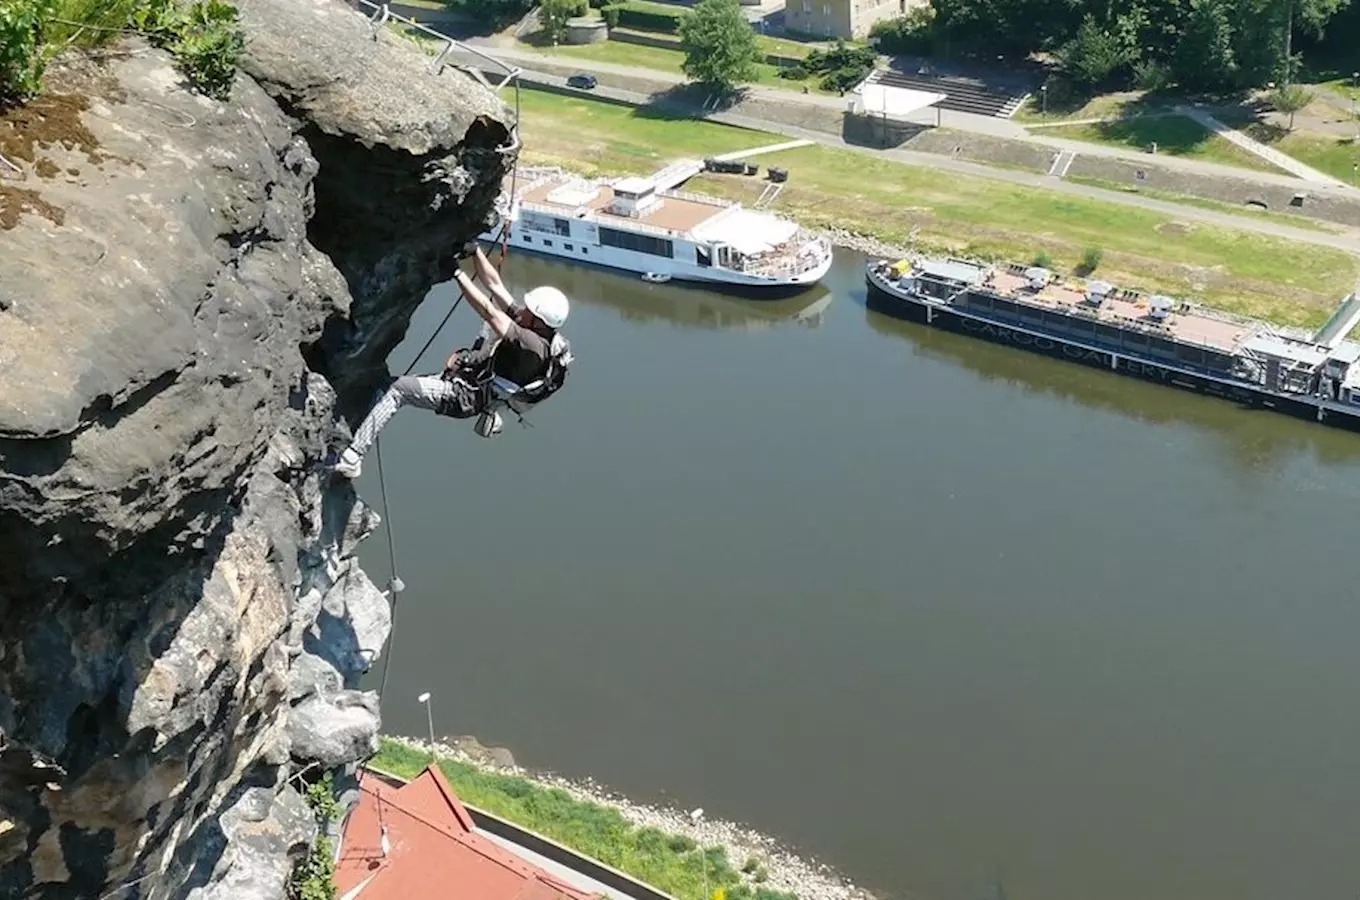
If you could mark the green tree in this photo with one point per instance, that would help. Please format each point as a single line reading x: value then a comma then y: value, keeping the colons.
x: 720, y: 46
x: 553, y: 14
x: 1095, y: 55
x: 1289, y: 99
x: 1204, y: 57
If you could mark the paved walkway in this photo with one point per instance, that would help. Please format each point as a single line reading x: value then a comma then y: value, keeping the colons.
x: 1269, y: 154
x: 556, y: 869
x: 1347, y: 240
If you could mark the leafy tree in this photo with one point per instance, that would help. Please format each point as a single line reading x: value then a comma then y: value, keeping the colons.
x: 1290, y: 98
x: 553, y: 14
x: 1095, y: 55
x: 720, y: 46
x: 1204, y: 58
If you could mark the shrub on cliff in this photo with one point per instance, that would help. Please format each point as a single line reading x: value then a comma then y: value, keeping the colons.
x: 205, y: 38
x: 22, y: 54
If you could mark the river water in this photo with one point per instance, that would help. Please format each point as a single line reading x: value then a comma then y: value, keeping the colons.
x: 943, y: 614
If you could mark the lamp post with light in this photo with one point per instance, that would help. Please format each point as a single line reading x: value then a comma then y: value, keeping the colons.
x: 429, y: 715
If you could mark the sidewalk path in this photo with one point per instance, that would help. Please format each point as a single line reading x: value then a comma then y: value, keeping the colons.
x: 1347, y: 240
x: 1269, y: 154
x: 642, y: 81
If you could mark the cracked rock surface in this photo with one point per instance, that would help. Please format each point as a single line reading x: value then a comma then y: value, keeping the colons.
x: 187, y: 302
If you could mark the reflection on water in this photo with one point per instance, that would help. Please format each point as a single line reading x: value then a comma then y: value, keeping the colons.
x: 687, y: 305
x: 1255, y: 439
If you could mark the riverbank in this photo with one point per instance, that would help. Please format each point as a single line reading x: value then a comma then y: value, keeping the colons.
x: 1272, y: 278
x: 654, y: 844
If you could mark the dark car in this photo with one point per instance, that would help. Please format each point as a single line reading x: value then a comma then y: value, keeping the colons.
x: 583, y: 81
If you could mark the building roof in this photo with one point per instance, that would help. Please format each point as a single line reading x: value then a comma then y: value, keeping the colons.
x: 434, y: 850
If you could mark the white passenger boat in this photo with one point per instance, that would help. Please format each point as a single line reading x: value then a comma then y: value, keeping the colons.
x: 635, y: 225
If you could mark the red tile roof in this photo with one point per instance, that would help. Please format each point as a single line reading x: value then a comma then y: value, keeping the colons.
x: 435, y: 852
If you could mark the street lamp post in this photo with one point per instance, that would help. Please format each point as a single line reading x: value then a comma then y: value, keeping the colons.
x: 1355, y: 89
x: 429, y: 715
x: 695, y: 817
x: 1043, y: 93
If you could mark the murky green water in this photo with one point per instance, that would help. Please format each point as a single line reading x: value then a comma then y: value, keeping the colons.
x: 933, y: 610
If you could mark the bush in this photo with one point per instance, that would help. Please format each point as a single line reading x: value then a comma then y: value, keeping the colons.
x: 1043, y: 260
x: 610, y: 14
x: 1090, y: 259
x: 648, y: 19
x: 22, y: 55
x: 314, y: 876
x: 913, y: 33
x: 1152, y: 76
x: 209, y: 46
x: 793, y: 73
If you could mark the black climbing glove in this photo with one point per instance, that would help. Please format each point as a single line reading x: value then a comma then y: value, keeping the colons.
x: 466, y: 251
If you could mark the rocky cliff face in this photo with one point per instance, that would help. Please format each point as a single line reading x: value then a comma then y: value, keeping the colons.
x: 188, y: 290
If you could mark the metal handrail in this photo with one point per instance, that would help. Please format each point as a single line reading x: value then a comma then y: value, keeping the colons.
x: 382, y: 14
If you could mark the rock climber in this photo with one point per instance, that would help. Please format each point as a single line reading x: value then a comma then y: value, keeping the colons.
x: 526, y: 349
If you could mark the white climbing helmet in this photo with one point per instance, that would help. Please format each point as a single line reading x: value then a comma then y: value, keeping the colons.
x: 549, y: 304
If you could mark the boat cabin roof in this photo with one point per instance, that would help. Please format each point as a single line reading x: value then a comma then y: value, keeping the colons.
x: 681, y: 214
x: 1281, y: 348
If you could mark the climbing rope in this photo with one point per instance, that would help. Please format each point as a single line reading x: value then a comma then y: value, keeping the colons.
x: 395, y: 585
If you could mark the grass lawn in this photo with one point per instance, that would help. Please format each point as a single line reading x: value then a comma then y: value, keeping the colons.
x: 1326, y: 153
x: 1174, y: 135
x: 1101, y: 107
x: 658, y: 59
x: 1273, y: 278
x: 666, y: 861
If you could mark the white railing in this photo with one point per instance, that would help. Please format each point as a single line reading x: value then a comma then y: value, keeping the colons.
x: 381, y: 14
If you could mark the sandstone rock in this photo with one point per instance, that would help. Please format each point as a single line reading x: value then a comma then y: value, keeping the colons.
x: 263, y: 834
x: 409, y: 166
x: 168, y: 539
x: 336, y: 728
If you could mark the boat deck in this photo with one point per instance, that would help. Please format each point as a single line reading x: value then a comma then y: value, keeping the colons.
x: 679, y: 214
x: 1124, y: 308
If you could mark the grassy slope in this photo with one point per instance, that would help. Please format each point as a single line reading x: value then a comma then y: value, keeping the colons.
x: 1174, y: 135
x: 660, y: 59
x: 1254, y: 274
x: 668, y: 862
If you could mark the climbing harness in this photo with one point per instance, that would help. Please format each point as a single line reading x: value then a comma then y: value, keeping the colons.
x: 395, y: 585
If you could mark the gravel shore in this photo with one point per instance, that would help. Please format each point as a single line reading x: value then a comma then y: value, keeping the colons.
x: 806, y: 878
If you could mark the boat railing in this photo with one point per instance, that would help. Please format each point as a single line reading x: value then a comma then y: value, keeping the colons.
x: 705, y: 199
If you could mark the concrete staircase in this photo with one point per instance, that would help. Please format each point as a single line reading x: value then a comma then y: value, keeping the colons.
x: 961, y: 94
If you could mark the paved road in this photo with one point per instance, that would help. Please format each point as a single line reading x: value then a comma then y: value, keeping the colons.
x: 961, y: 121
x: 1344, y: 239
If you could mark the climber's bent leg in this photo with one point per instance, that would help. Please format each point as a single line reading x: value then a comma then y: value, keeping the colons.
x: 424, y: 392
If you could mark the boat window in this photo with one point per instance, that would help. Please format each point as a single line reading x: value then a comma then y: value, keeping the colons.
x: 528, y: 240
x: 1108, y: 333
x: 641, y: 243
x: 702, y: 256
x: 547, y: 243
x: 585, y: 251
x: 1005, y: 307
x: 562, y: 227
x: 568, y: 247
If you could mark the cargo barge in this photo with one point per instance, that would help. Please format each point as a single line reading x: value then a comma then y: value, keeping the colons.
x: 1153, y: 337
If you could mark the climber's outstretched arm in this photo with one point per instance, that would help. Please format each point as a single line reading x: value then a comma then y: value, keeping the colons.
x: 492, y: 314
x: 492, y: 279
